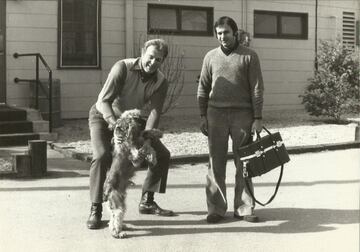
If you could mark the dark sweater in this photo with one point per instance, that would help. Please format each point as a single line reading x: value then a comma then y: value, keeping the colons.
x: 231, y: 81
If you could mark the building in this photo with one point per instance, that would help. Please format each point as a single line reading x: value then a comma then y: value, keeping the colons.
x: 81, y: 39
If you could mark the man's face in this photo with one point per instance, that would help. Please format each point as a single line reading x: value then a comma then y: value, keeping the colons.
x: 151, y: 59
x: 225, y: 36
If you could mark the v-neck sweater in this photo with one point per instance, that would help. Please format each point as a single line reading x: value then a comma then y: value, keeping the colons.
x: 233, y: 80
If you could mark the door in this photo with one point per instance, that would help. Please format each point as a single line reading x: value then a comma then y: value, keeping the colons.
x: 2, y: 52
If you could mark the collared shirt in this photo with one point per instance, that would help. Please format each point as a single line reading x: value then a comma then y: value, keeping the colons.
x: 143, y: 75
x: 126, y: 87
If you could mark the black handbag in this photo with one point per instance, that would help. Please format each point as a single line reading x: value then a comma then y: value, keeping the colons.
x: 262, y: 156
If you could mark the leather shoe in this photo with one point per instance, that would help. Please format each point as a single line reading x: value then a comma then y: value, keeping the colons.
x: 214, y: 218
x: 249, y: 218
x: 153, y: 208
x: 94, y: 220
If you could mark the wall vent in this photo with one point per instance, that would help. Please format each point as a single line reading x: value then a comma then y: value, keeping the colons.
x: 348, y: 29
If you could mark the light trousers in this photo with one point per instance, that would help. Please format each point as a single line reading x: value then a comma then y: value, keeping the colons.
x: 222, y: 124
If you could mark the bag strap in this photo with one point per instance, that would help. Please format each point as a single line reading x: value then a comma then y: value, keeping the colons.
x: 272, y: 197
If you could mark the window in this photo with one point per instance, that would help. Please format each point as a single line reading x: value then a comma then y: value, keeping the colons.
x: 180, y: 20
x: 79, y: 35
x: 283, y: 25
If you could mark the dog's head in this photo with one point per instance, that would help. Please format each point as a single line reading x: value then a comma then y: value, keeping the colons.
x: 129, y: 127
x: 130, y: 136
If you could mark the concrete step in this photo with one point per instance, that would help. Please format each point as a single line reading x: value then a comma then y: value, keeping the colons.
x: 12, y: 114
x: 40, y: 126
x: 9, y: 127
x: 18, y: 139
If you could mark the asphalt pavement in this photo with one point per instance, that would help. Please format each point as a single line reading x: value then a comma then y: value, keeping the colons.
x: 316, y: 209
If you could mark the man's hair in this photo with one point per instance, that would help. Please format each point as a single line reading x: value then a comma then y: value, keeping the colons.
x: 159, y: 44
x: 226, y: 20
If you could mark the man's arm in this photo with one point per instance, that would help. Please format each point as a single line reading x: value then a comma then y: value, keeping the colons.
x: 110, y: 90
x: 257, y: 92
x: 203, y: 94
x: 156, y: 104
x: 256, y: 86
x: 204, y: 87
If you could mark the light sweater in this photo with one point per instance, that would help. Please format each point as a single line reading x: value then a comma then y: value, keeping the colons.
x: 231, y: 81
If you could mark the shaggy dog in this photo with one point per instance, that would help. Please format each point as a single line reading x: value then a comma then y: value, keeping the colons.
x: 132, y: 149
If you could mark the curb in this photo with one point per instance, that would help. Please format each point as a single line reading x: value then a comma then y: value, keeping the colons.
x: 203, y: 158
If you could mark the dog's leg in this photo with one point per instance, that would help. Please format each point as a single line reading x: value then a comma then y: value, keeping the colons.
x: 117, y: 205
x: 116, y: 224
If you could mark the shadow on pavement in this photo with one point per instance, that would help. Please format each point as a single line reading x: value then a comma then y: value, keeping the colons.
x: 49, y: 175
x: 44, y: 188
x: 287, y: 220
x: 67, y: 164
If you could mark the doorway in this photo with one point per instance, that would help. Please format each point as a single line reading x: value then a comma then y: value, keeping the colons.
x: 2, y: 52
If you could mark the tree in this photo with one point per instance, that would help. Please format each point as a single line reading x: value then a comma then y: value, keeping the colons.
x: 334, y: 89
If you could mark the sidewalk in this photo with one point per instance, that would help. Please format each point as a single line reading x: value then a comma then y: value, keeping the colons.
x: 316, y: 209
x: 201, y: 158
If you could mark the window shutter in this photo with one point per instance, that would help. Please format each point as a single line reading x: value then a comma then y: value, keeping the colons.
x: 348, y: 29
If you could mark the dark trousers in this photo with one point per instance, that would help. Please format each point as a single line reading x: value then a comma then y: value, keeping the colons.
x: 100, y: 135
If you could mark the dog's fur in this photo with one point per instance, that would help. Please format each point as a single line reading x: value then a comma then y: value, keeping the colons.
x: 132, y: 149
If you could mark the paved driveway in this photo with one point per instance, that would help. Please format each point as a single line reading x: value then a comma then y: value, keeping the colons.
x: 317, y: 209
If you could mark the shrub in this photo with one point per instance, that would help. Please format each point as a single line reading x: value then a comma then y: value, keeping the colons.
x: 334, y: 89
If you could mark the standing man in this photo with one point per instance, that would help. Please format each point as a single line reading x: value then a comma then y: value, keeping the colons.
x: 131, y: 84
x: 230, y: 97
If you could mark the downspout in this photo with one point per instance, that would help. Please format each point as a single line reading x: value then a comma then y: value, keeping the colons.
x: 244, y: 15
x: 316, y: 34
x: 129, y: 28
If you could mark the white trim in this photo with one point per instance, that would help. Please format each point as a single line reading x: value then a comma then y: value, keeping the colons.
x: 129, y: 28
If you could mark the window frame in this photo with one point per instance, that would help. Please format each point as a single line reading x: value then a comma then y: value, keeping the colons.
x: 304, y: 19
x: 178, y: 31
x: 98, y: 40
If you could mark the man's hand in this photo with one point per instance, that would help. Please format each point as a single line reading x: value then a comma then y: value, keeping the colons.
x: 257, y: 126
x: 111, y: 126
x: 111, y: 123
x: 204, y: 125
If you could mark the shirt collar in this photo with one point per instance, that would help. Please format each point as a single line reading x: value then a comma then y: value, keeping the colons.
x: 227, y: 51
x: 144, y: 76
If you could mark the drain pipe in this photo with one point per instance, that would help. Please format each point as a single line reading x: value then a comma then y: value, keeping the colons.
x: 244, y: 15
x: 316, y: 34
x: 129, y: 28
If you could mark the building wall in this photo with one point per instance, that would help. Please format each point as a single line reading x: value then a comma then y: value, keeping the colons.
x: 193, y: 47
x: 32, y: 27
x: 286, y: 64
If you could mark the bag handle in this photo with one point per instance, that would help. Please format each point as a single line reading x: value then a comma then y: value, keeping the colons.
x: 267, y: 131
x: 275, y: 192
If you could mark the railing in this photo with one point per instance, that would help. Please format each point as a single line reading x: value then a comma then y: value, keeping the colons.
x: 37, y: 82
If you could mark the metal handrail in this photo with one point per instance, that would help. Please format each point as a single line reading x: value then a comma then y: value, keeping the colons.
x: 37, y: 81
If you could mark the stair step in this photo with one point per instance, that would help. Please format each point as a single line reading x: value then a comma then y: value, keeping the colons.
x: 8, y: 127
x: 12, y: 114
x: 17, y: 139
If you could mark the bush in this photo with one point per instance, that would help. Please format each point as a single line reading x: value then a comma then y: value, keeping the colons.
x: 334, y: 89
